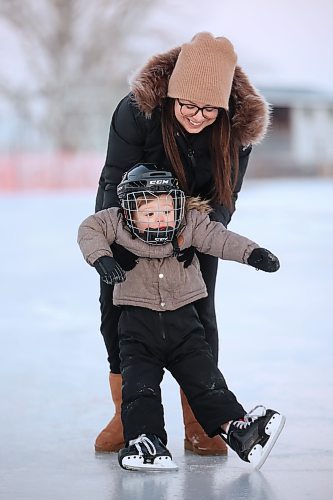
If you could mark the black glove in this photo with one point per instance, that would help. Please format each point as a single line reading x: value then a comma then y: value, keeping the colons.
x: 126, y: 259
x: 109, y: 270
x: 264, y: 260
x: 186, y: 256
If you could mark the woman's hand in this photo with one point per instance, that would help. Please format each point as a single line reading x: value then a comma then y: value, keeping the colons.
x: 124, y: 257
x: 186, y: 256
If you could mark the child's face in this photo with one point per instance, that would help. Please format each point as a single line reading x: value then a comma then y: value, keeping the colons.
x: 154, y: 213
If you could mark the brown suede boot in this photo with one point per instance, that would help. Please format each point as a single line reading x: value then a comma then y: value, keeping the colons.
x: 111, y: 438
x: 196, y: 440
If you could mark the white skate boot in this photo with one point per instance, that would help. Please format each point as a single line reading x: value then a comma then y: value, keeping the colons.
x: 147, y: 453
x: 254, y: 436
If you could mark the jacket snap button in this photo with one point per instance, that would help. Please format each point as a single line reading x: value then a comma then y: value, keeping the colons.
x: 162, y: 304
x: 161, y: 275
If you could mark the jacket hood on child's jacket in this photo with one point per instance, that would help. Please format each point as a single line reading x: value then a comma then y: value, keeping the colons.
x: 196, y: 203
x: 249, y: 110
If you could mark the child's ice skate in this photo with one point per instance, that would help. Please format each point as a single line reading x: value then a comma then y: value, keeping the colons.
x: 253, y: 437
x: 147, y: 452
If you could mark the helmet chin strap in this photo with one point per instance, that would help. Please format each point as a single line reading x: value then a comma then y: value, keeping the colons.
x: 157, y: 236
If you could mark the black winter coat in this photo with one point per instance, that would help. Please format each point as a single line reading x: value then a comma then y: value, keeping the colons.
x: 136, y: 136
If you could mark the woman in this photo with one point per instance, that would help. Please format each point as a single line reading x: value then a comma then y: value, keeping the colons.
x: 194, y: 112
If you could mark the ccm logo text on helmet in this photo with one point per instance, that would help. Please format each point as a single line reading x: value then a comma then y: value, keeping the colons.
x: 158, y: 181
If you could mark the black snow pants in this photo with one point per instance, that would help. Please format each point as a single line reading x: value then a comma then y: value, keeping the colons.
x: 151, y: 341
x: 205, y: 308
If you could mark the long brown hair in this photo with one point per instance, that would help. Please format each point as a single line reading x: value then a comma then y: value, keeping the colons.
x: 222, y: 148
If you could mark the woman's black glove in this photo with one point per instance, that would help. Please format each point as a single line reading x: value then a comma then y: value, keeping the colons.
x: 263, y: 259
x: 126, y: 259
x: 109, y: 270
x: 186, y: 256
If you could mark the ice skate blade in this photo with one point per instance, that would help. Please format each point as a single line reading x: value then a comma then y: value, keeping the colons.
x: 259, y: 454
x: 135, y: 462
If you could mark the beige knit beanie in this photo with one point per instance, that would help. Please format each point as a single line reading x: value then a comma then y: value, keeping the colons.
x: 204, y: 71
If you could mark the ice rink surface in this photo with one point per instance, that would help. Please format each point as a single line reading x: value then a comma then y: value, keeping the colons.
x: 276, y: 336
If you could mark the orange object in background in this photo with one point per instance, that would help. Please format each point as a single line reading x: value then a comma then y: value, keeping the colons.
x: 49, y: 171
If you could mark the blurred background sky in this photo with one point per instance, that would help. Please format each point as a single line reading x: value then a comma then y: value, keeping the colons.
x: 289, y: 43
x: 278, y: 43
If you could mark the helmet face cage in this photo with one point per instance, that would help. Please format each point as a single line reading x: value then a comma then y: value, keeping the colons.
x: 152, y: 203
x: 154, y: 216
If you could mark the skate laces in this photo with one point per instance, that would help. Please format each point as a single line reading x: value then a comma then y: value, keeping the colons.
x: 143, y: 440
x: 250, y: 417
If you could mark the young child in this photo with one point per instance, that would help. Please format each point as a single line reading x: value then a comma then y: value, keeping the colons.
x: 159, y: 326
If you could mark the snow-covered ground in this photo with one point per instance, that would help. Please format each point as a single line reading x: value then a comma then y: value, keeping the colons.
x: 276, y: 349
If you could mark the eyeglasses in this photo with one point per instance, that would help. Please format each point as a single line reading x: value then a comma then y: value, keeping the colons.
x: 190, y: 110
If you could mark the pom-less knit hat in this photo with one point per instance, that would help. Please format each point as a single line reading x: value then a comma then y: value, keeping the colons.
x: 204, y: 71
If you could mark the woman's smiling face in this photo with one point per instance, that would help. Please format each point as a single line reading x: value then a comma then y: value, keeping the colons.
x: 191, y: 118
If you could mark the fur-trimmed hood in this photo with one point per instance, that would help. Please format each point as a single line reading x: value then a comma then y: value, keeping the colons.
x: 197, y: 203
x: 250, y: 117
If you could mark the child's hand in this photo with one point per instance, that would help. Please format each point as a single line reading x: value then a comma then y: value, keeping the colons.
x: 109, y: 270
x: 263, y: 259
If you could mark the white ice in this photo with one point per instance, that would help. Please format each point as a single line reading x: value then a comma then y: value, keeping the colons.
x: 275, y: 341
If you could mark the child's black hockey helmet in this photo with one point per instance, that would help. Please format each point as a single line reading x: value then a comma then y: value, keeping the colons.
x: 146, y: 177
x: 145, y: 181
